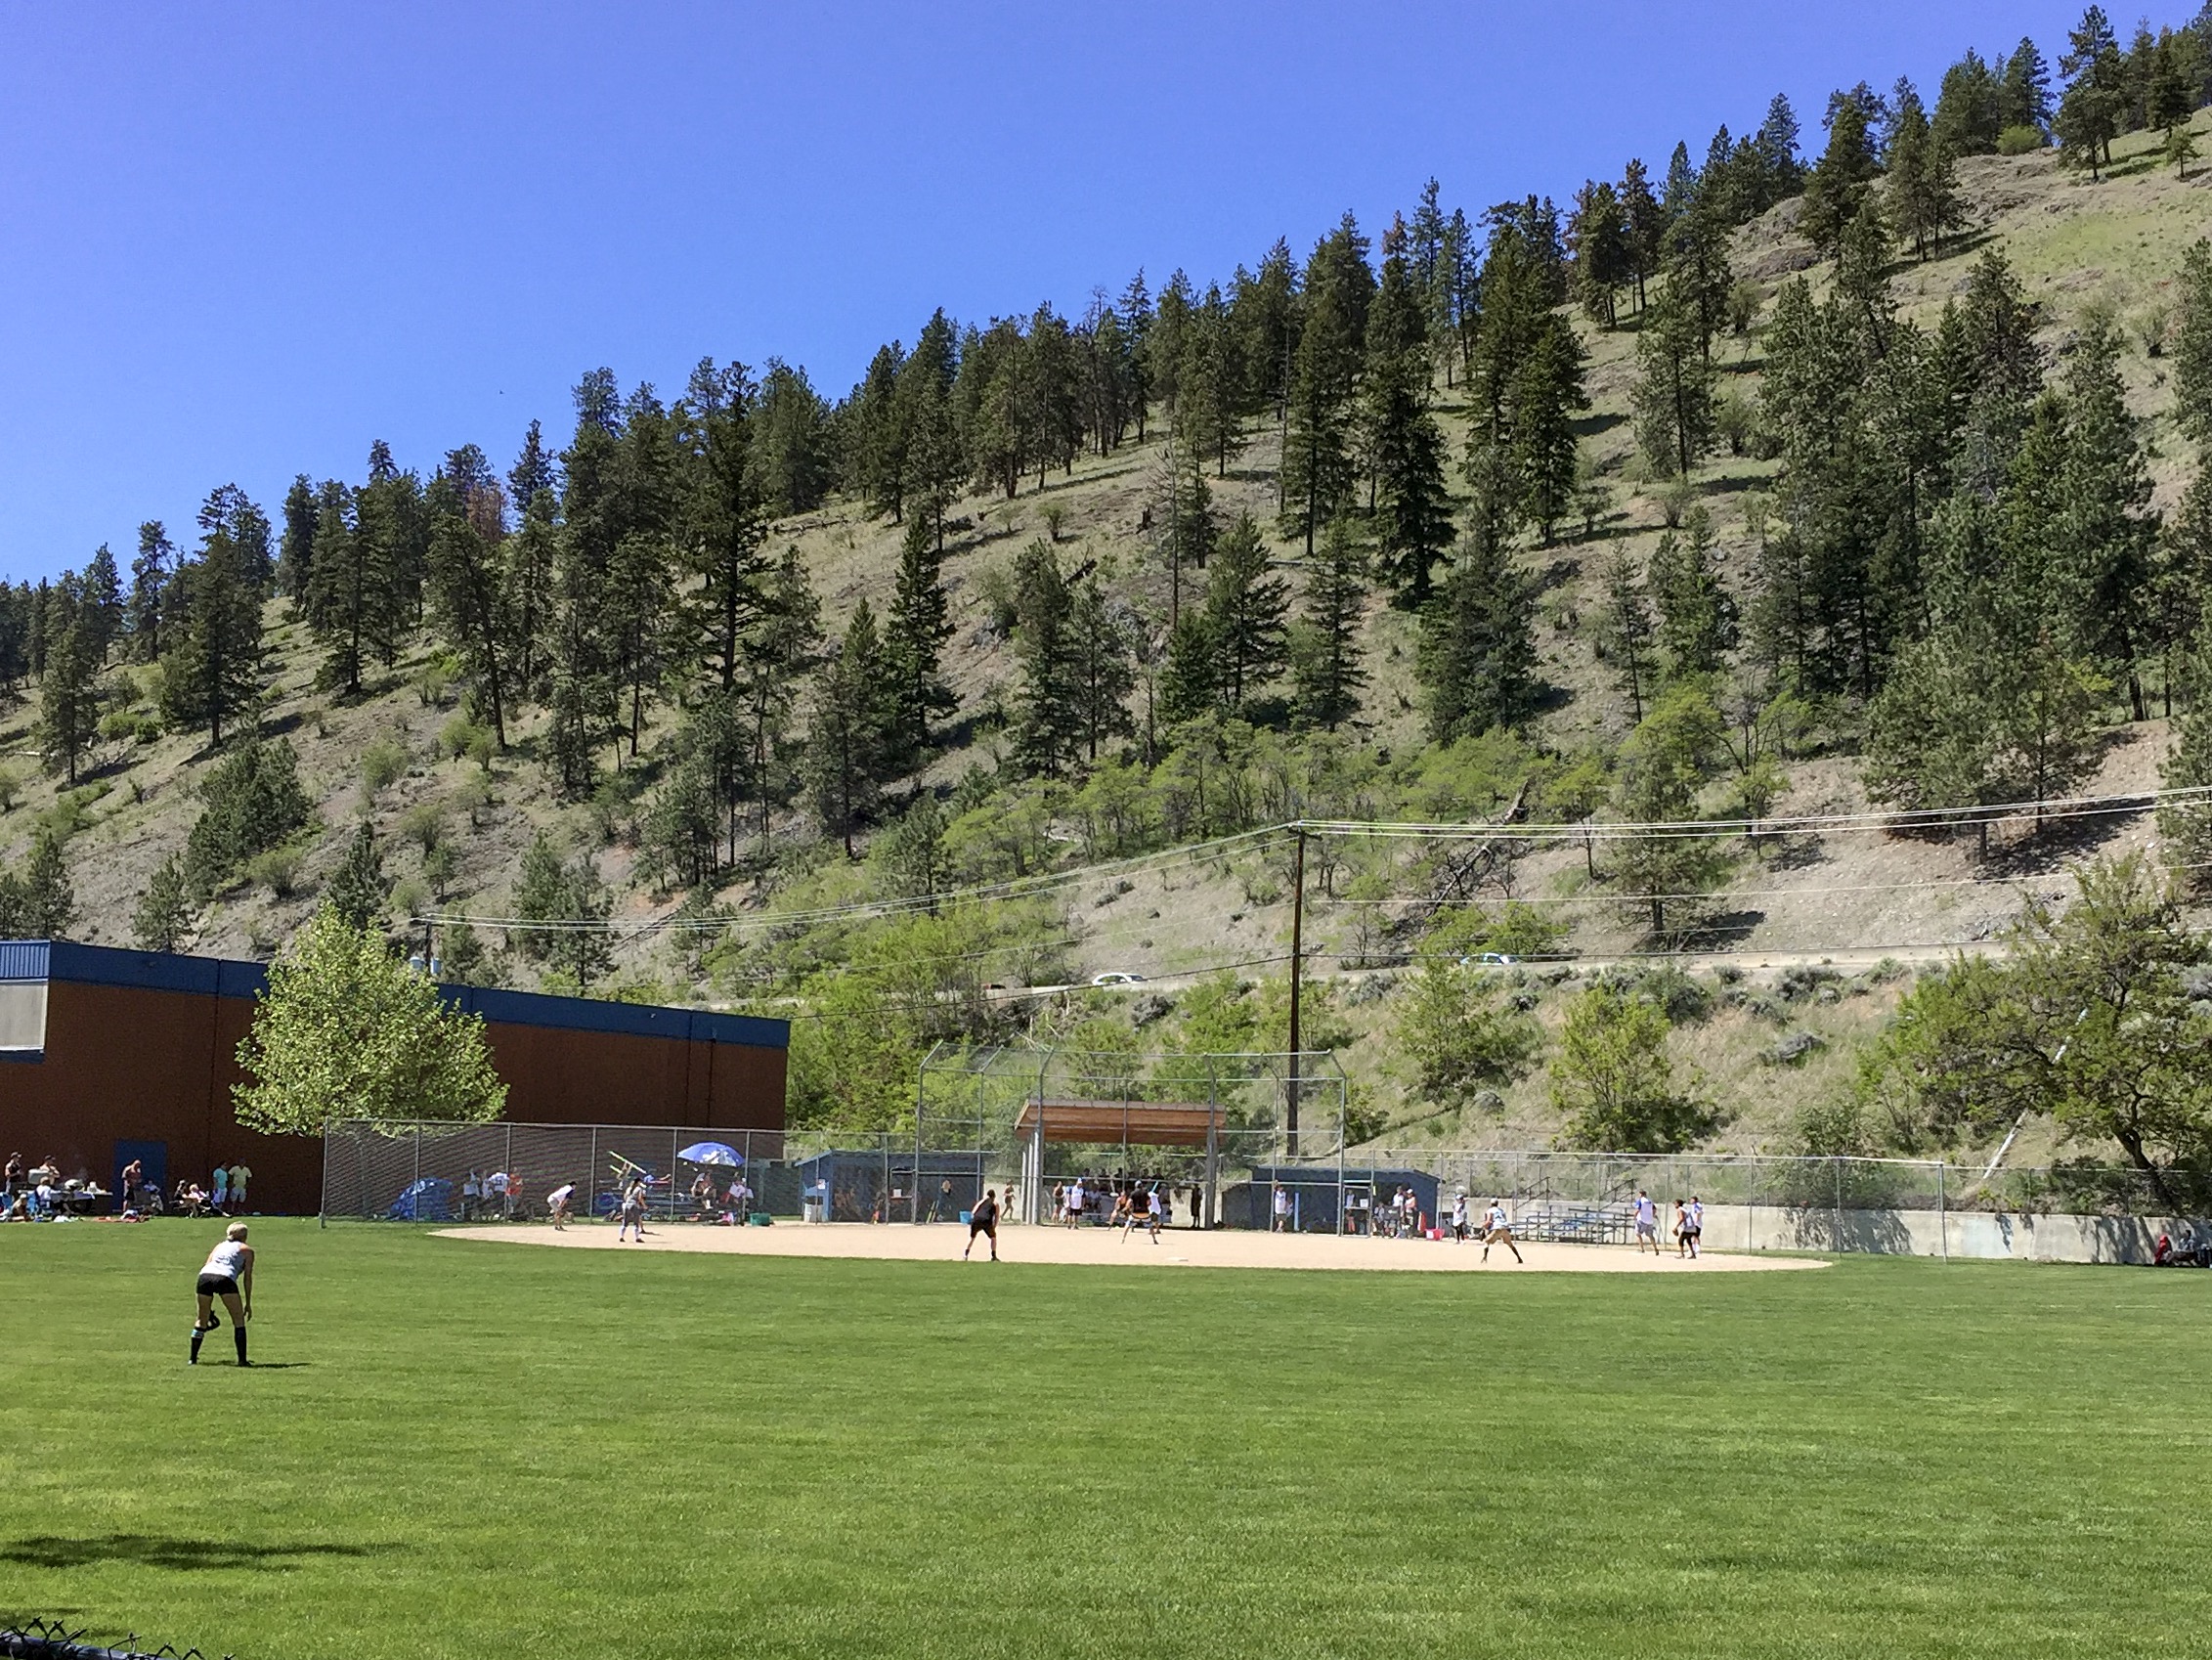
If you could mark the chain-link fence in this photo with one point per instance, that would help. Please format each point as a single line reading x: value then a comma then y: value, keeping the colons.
x: 56, y: 1640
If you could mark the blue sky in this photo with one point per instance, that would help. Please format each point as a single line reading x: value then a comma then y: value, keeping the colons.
x: 244, y: 240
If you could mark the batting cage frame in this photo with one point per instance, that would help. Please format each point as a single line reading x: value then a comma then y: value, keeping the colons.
x: 1212, y: 1127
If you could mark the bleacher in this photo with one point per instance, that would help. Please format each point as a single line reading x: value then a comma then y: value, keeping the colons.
x: 1573, y: 1222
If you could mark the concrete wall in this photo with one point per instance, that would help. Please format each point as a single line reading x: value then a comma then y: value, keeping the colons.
x: 1965, y: 1233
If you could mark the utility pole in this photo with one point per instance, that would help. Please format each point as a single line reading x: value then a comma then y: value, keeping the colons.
x: 1297, y: 962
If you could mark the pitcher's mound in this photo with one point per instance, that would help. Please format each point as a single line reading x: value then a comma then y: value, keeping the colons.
x: 902, y: 1241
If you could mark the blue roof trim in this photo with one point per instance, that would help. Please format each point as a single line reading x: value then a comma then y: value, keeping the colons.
x: 24, y: 959
x: 214, y: 977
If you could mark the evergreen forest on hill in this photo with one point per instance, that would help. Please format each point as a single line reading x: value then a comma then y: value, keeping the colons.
x: 1836, y: 471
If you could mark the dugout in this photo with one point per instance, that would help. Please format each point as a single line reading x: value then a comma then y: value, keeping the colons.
x: 114, y: 1055
x: 1326, y: 1199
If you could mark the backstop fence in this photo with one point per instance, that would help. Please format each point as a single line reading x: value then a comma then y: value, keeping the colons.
x: 1215, y: 1145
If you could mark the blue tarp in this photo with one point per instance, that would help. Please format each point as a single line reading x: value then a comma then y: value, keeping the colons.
x: 428, y: 1200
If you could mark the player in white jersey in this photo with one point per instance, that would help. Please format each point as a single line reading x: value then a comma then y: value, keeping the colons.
x: 227, y: 1274
x: 1647, y: 1223
x: 1497, y: 1230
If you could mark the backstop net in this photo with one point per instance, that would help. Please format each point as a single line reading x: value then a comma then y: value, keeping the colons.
x: 1069, y: 1133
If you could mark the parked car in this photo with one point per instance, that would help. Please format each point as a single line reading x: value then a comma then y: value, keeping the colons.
x: 1114, y: 977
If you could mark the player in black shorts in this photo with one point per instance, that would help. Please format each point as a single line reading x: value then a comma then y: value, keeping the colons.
x: 983, y: 1220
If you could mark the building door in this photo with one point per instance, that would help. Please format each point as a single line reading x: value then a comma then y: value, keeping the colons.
x: 152, y: 1157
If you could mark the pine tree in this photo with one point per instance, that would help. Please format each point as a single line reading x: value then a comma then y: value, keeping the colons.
x: 1477, y: 659
x: 2191, y: 343
x: 781, y: 647
x: 357, y: 888
x: 919, y: 624
x: 549, y: 889
x: 1674, y: 392
x: 2024, y: 95
x: 1624, y: 630
x: 1694, y: 610
x: 100, y: 605
x: 1324, y: 645
x: 1645, y: 226
x: 2102, y: 537
x: 2091, y: 107
x: 1600, y: 232
x: 296, y: 555
x: 152, y: 572
x: 164, y: 918
x: 2184, y: 826
x: 68, y: 694
x: 1101, y: 674
x: 1246, y: 609
x: 1923, y: 200
x: 469, y: 587
x: 933, y: 459
x: 42, y: 902
x: 1547, y: 393
x: 1317, y: 468
x: 345, y: 594
x: 849, y: 734
x: 1840, y: 180
x: 1047, y: 725
x: 727, y: 525
x: 212, y: 672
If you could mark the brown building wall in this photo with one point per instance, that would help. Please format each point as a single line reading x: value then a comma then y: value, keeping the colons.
x: 132, y: 1064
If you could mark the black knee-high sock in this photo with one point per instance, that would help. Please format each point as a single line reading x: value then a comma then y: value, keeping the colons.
x: 198, y: 1334
x: 238, y: 1335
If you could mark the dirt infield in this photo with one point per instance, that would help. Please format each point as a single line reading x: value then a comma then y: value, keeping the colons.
x: 1177, y: 1248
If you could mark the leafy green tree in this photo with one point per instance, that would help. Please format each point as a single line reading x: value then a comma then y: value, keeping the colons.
x: 1614, y: 1081
x: 212, y: 672
x: 2088, y: 1019
x: 358, y: 888
x: 1460, y: 1037
x: 346, y: 1030
x: 1324, y: 647
x: 1477, y: 658
x: 166, y: 912
x: 1664, y: 766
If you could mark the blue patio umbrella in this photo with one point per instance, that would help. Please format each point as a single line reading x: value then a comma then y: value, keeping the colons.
x: 712, y: 1153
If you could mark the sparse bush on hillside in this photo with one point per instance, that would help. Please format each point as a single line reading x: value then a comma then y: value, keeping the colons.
x: 277, y: 870
x: 381, y: 764
x: 2022, y: 140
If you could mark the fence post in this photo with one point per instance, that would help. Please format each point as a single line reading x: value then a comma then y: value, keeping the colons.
x: 592, y: 1178
x: 415, y: 1187
x: 1943, y: 1212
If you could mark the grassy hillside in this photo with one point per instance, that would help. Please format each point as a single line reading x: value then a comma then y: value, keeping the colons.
x: 1858, y: 899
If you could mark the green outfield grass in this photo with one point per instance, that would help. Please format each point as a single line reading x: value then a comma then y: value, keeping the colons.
x: 486, y: 1450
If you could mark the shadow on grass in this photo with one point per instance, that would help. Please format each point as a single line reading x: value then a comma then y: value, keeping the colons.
x: 158, y: 1550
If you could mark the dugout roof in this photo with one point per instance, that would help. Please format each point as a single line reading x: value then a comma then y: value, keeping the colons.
x: 1135, y: 1123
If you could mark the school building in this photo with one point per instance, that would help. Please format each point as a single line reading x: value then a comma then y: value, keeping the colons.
x: 110, y: 1055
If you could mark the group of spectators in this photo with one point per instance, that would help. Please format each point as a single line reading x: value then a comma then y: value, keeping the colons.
x: 498, y: 1194
x: 39, y: 1194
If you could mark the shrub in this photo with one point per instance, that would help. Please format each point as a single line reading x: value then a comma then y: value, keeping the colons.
x: 455, y: 736
x: 2020, y: 140
x: 424, y: 825
x: 277, y: 871
x: 381, y: 764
